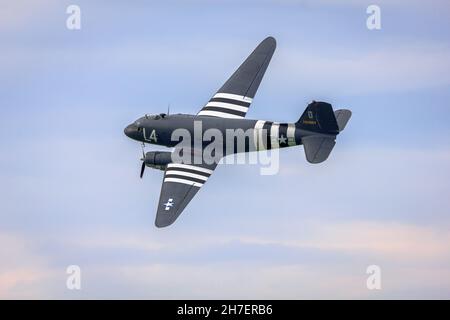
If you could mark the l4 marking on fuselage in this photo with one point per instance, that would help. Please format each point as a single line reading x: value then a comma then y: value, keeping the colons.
x: 152, y: 137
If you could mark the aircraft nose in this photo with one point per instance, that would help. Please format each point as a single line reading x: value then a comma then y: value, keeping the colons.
x: 129, y: 130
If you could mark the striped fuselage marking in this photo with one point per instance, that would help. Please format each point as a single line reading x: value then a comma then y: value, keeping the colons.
x: 266, y: 134
x: 272, y: 135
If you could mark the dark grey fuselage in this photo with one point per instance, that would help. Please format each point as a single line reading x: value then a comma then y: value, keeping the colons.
x: 238, y: 135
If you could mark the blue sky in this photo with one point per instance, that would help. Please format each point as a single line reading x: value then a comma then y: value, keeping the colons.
x: 70, y: 192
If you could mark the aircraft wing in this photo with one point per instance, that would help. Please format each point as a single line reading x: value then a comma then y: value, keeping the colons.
x: 181, y: 183
x: 234, y: 98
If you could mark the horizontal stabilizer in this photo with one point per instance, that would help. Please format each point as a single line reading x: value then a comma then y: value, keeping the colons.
x: 342, y: 117
x: 318, y: 147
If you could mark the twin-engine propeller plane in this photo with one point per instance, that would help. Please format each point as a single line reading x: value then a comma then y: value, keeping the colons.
x: 186, y: 168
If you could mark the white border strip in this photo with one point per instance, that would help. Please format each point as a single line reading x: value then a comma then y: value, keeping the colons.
x: 274, y: 135
x: 187, y: 166
x: 291, y: 134
x: 219, y: 114
x: 258, y: 135
x: 233, y: 97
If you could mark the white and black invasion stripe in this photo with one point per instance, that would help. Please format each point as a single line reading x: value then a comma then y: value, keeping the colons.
x: 272, y: 135
x: 283, y: 137
x: 259, y: 136
x: 226, y: 105
x: 266, y: 131
x: 275, y: 135
x: 187, y: 174
x: 291, y: 134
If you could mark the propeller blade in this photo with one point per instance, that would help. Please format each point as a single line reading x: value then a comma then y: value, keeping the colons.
x: 142, y: 169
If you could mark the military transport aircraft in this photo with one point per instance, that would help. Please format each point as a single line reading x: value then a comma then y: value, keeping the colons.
x: 187, y: 172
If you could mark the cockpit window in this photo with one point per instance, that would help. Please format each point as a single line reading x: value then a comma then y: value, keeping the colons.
x: 155, y: 116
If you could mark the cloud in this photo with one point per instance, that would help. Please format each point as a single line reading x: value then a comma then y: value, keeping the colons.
x: 329, y: 261
x: 393, y: 241
x: 15, y: 15
x: 322, y: 260
x: 382, y: 70
x: 23, y: 272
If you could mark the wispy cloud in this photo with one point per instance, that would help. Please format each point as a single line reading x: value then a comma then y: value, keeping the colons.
x: 389, y: 69
x: 394, y: 241
x: 23, y: 272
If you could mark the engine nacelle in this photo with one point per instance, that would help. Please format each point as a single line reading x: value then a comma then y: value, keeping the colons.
x: 158, y: 159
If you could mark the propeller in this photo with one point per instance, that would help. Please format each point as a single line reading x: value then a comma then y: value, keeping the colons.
x: 142, y: 169
x: 143, y: 161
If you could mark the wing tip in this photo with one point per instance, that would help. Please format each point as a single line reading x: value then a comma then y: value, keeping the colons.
x: 160, y: 226
x: 270, y: 41
x: 162, y: 223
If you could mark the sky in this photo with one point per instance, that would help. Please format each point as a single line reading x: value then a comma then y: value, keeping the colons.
x: 70, y: 192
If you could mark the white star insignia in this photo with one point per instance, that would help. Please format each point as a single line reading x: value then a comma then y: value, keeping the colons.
x: 282, y: 139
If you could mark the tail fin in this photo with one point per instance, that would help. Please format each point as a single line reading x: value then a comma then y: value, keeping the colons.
x: 323, y: 125
x: 319, y: 117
